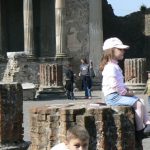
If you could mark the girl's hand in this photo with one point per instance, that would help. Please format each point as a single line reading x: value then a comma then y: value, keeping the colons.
x: 129, y: 93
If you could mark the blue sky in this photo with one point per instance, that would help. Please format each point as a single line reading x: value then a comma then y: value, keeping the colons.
x: 125, y: 7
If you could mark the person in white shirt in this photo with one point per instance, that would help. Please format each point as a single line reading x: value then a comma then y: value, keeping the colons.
x: 115, y: 91
x: 77, y: 139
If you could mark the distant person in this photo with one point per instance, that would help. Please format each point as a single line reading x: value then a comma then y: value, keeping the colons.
x: 86, y: 78
x: 147, y: 89
x: 115, y: 91
x: 69, y: 78
x: 77, y: 139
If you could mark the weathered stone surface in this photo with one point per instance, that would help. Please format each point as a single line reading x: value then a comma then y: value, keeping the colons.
x: 109, y: 127
x: 19, y: 70
x: 11, y: 120
x: 29, y: 91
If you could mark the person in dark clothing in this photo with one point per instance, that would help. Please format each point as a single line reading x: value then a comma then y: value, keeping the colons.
x: 69, y: 78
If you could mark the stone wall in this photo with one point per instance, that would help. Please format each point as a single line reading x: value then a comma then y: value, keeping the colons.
x: 109, y: 127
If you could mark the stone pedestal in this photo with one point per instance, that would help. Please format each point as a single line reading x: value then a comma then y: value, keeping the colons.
x: 109, y: 127
x: 51, y: 79
x: 135, y: 74
x: 11, y: 120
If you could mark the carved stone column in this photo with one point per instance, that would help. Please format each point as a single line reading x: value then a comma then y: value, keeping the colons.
x: 28, y: 28
x: 135, y: 74
x: 60, y: 13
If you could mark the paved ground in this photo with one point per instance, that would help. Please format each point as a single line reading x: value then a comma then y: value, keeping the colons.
x: 27, y: 105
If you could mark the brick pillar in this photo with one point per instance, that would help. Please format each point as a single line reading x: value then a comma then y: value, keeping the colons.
x: 135, y: 74
x: 11, y: 117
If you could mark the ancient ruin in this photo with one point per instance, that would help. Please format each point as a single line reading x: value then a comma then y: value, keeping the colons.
x: 135, y: 74
x: 37, y: 39
x: 109, y: 127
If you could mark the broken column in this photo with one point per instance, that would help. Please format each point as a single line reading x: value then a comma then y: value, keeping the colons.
x: 107, y: 126
x: 19, y: 70
x: 135, y: 74
x: 11, y: 120
x: 51, y: 78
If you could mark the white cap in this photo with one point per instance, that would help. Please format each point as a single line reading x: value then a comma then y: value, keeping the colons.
x: 114, y: 42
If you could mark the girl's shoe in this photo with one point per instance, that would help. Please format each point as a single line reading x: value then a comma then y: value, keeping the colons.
x: 89, y: 97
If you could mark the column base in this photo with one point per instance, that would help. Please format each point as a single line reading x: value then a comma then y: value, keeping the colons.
x: 61, y: 55
x: 57, y: 92
x: 136, y: 88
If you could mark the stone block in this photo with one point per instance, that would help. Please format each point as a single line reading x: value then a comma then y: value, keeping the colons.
x: 29, y: 91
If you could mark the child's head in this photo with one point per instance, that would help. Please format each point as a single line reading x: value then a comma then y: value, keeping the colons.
x: 69, y: 65
x: 113, y: 50
x: 84, y: 61
x: 77, y: 138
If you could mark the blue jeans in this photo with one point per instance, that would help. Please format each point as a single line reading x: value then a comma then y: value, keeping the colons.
x: 149, y: 101
x: 87, y: 92
x: 87, y: 84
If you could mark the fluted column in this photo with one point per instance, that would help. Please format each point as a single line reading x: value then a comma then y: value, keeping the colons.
x: 60, y: 13
x: 135, y: 74
x: 28, y: 28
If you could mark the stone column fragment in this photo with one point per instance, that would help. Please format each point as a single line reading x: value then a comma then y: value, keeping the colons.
x: 50, y: 75
x: 135, y: 74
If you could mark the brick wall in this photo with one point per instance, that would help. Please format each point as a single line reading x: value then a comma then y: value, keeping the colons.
x: 109, y: 127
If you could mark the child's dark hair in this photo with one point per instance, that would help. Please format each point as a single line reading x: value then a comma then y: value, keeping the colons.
x: 85, y: 60
x: 107, y: 56
x: 77, y: 132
